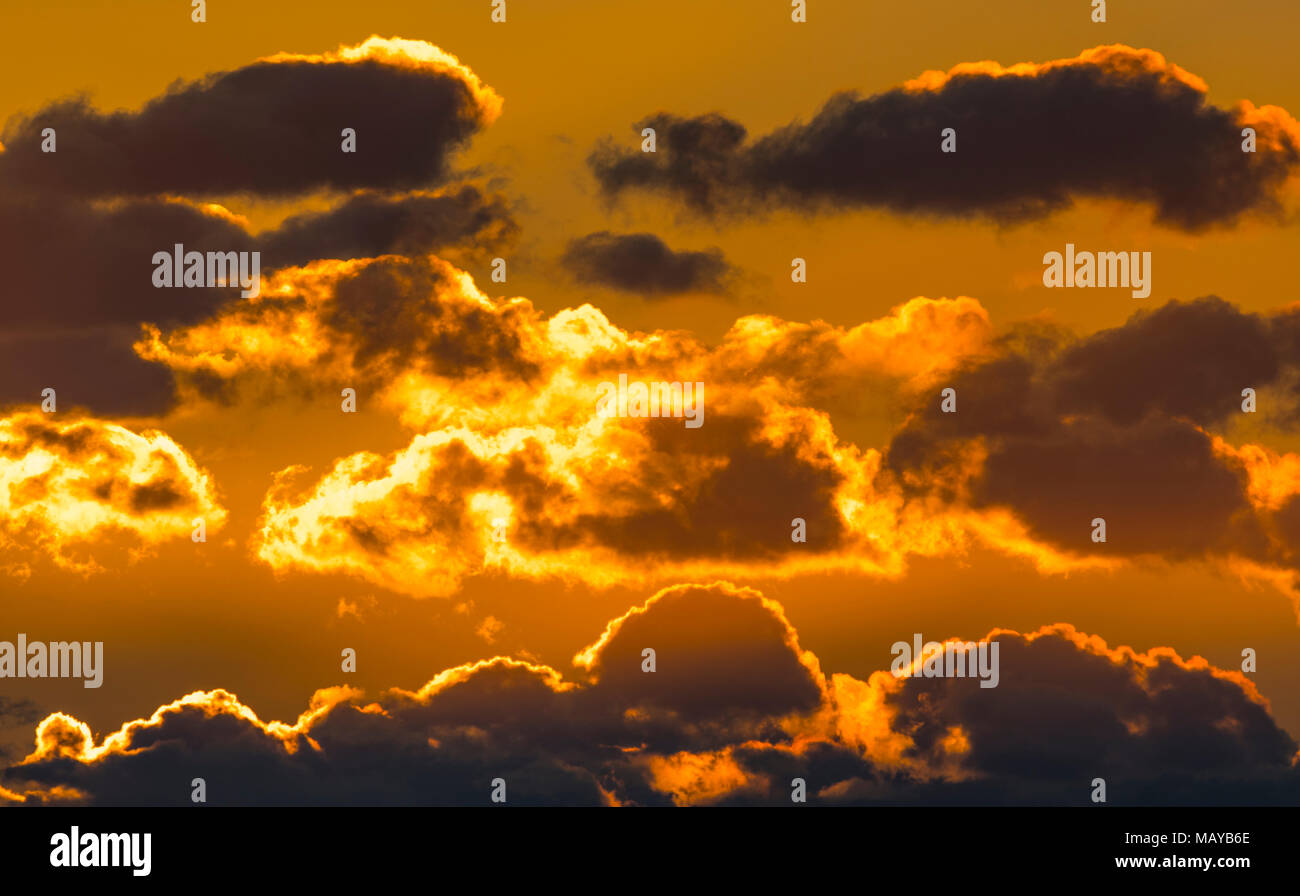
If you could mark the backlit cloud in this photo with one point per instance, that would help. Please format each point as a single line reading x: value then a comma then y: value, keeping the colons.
x: 273, y: 127
x: 1030, y: 139
x: 734, y: 711
x: 67, y: 486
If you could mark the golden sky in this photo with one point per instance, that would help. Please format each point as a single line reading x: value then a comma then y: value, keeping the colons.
x: 476, y: 400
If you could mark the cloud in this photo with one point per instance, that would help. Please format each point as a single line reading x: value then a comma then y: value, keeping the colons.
x: 734, y: 711
x: 79, y: 227
x: 85, y: 274
x: 361, y: 323
x: 1158, y: 728
x: 369, y: 224
x: 95, y: 369
x: 735, y: 639
x: 1184, y: 359
x: 642, y: 263
x: 503, y: 401
x: 68, y: 487
x: 489, y: 628
x: 1031, y: 140
x: 272, y: 128
x: 1118, y: 425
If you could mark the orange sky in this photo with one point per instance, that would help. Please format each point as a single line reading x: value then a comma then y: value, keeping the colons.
x: 178, y: 617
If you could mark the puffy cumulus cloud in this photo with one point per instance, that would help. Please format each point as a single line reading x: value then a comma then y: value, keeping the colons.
x: 373, y: 323
x: 1158, y: 728
x: 1032, y: 139
x: 77, y: 322
x: 67, y: 487
x: 506, y: 404
x: 78, y: 230
x: 271, y: 127
x: 1120, y: 425
x: 1185, y: 359
x: 658, y: 502
x: 642, y: 263
x: 734, y: 638
x: 829, y: 367
x: 734, y: 711
x: 515, y: 468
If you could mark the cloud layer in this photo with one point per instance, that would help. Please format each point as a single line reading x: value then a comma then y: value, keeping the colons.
x: 734, y: 711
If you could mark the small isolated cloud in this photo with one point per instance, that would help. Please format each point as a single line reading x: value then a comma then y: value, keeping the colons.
x: 642, y: 263
x: 489, y: 628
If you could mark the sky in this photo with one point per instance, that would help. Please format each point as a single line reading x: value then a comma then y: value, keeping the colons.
x: 498, y: 553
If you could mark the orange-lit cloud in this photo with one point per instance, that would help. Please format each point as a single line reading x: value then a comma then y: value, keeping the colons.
x: 66, y: 485
x: 515, y: 469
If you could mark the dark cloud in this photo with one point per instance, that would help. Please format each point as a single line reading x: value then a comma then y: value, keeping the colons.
x: 714, y: 723
x: 1112, y: 123
x: 16, y: 713
x: 95, y: 369
x: 1159, y: 486
x: 553, y: 742
x: 370, y: 224
x: 400, y: 310
x: 734, y: 639
x: 643, y: 263
x: 272, y: 128
x: 1113, y: 425
x: 1067, y: 710
x: 82, y: 278
x: 71, y: 264
x: 734, y: 511
x: 1186, y: 359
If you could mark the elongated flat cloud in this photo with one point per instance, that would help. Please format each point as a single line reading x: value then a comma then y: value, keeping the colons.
x: 273, y: 127
x: 369, y: 224
x: 642, y: 263
x: 69, y: 485
x: 735, y: 710
x: 1112, y: 123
